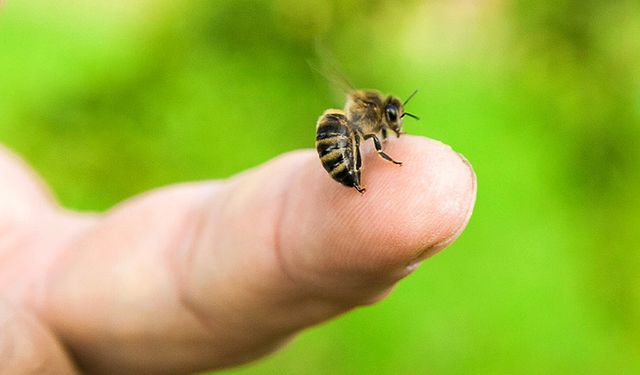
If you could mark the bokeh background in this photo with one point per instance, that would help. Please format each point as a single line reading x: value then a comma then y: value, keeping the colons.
x: 107, y: 99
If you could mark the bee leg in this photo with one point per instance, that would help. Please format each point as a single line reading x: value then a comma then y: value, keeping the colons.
x: 356, y: 151
x: 358, y: 156
x: 383, y: 132
x: 376, y: 142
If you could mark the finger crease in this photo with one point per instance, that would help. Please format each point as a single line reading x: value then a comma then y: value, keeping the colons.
x: 277, y: 235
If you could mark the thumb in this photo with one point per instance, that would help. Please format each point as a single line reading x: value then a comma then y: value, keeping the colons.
x: 253, y: 259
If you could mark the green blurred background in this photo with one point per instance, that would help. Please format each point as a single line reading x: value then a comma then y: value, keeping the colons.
x: 107, y: 99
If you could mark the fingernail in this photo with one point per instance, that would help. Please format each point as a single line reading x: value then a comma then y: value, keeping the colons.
x: 412, y: 267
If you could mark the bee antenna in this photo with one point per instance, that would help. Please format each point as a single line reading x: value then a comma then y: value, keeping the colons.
x: 409, y: 98
x: 410, y: 115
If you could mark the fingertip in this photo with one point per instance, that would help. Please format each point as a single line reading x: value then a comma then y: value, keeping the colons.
x: 327, y: 236
x: 438, y: 195
x: 406, y: 214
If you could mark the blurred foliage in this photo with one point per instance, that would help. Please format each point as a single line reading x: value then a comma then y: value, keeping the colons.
x: 109, y: 99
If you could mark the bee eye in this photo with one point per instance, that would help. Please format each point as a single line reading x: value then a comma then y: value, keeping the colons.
x: 392, y: 113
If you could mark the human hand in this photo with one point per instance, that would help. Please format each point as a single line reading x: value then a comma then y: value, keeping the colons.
x: 213, y: 274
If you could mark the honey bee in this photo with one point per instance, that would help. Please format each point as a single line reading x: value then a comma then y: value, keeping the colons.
x: 366, y: 115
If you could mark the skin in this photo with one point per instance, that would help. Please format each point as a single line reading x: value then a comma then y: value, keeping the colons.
x: 214, y: 274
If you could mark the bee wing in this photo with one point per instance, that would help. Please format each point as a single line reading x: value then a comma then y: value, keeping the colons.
x: 325, y: 65
x: 333, y: 75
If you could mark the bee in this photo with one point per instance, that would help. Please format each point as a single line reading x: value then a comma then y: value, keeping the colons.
x: 367, y: 114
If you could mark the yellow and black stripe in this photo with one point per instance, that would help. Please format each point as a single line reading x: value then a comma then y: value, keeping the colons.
x: 339, y: 148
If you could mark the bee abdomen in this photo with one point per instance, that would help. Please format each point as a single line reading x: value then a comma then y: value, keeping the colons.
x: 335, y: 146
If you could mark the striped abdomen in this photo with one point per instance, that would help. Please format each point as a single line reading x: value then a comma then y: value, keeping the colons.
x: 339, y: 148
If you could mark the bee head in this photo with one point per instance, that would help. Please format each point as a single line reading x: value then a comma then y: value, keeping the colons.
x: 394, y: 112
